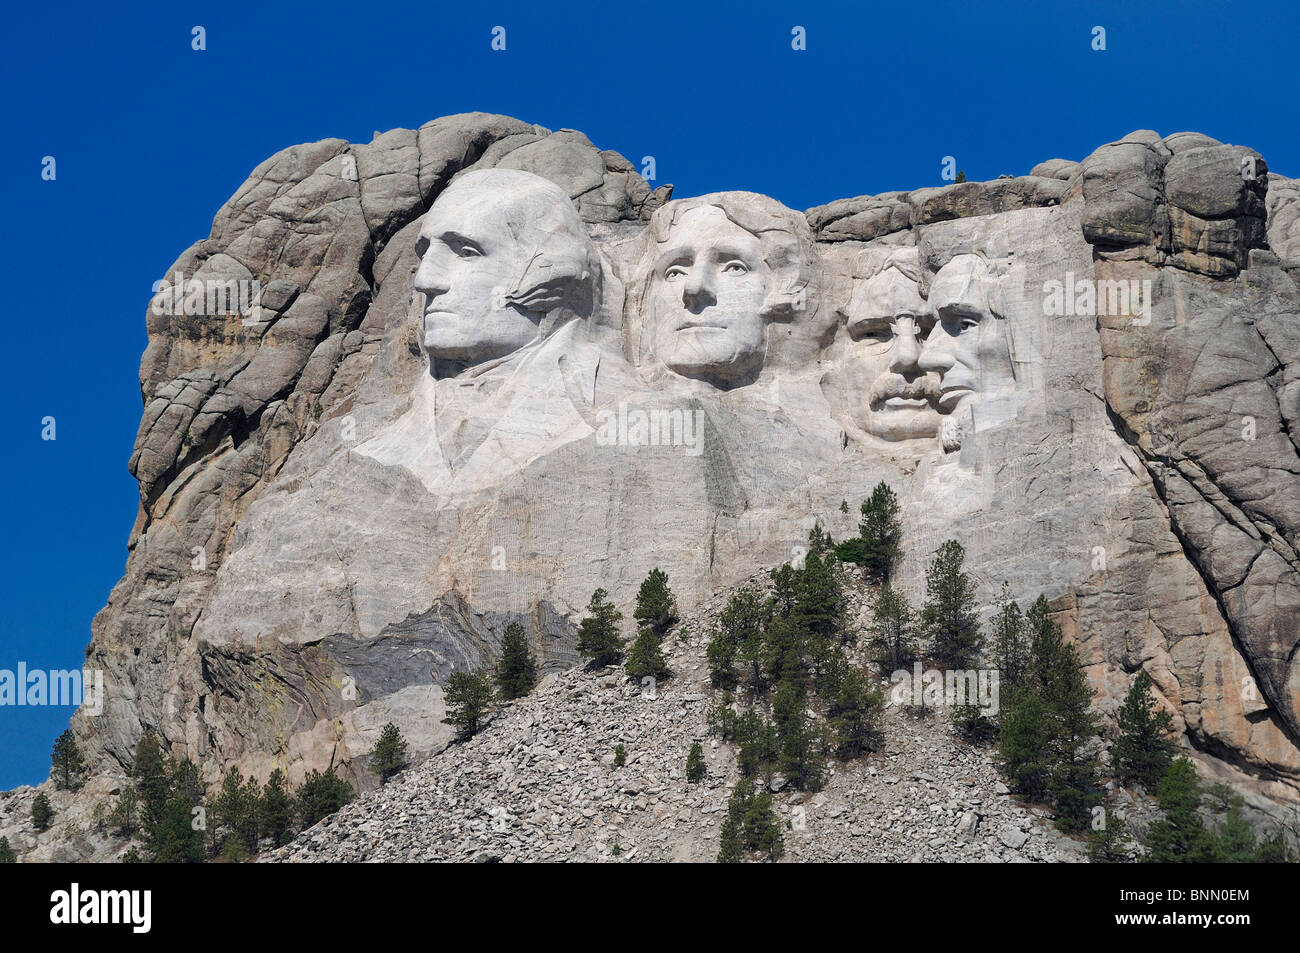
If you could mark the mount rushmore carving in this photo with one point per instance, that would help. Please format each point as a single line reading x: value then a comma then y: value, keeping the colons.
x: 496, y: 370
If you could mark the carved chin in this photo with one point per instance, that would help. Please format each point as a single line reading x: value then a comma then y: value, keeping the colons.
x: 723, y: 368
x: 955, y: 428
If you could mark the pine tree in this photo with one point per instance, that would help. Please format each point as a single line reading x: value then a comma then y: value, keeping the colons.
x: 598, y: 637
x: 174, y: 839
x: 1235, y: 841
x: 721, y: 656
x: 739, y: 636
x: 186, y: 782
x: 948, y: 616
x: 854, y: 714
x: 646, y: 659
x: 517, y: 670
x: 389, y: 756
x: 1180, y: 835
x: 68, y: 767
x: 153, y: 776
x: 467, y: 696
x: 818, y: 598
x: 620, y: 755
x: 1045, y: 641
x: 751, y: 825
x: 696, y: 770
x: 1143, y: 750
x: 655, y: 604
x: 1022, y: 743
x: 321, y: 794
x: 7, y: 853
x: 893, y: 643
x: 234, y: 811
x: 798, y: 740
x: 819, y: 541
x: 1073, y: 783
x: 1010, y: 641
x: 784, y: 590
x: 1111, y: 844
x: 878, y: 546
x: 41, y: 812
x: 276, y: 809
x: 125, y: 816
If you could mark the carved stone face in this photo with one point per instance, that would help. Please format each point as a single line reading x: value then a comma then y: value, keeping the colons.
x: 900, y: 399
x: 706, y: 298
x: 499, y: 251
x: 968, y: 346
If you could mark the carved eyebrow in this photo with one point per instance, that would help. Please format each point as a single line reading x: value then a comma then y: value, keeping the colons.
x: 451, y: 237
x: 720, y: 253
x: 674, y: 256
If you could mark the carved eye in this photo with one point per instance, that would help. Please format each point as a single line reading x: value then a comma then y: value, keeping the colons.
x: 674, y: 272
x: 466, y: 250
x: 735, y: 267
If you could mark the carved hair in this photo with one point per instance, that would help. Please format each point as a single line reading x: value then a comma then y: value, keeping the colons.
x: 562, y: 266
x: 784, y: 237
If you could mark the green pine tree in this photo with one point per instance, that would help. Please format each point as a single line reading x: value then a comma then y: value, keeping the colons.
x: 468, y: 698
x: 175, y: 839
x: 153, y: 777
x: 948, y: 616
x: 646, y: 659
x: 818, y: 597
x: 1111, y: 842
x: 798, y: 738
x: 1073, y: 782
x: 1179, y: 836
x: 517, y: 670
x: 389, y: 756
x: 42, y: 812
x: 854, y: 714
x: 1022, y: 743
x: 655, y: 604
x: 7, y: 853
x: 321, y: 794
x: 276, y: 809
x: 1143, y: 749
x: 125, y: 816
x: 878, y: 545
x: 620, y: 755
x: 1010, y: 641
x: 893, y: 642
x: 68, y: 766
x: 696, y: 769
x: 598, y: 635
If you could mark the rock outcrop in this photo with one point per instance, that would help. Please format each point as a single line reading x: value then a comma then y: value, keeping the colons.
x: 1087, y: 375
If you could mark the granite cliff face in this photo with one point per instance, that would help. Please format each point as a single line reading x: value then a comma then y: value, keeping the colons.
x: 1087, y: 375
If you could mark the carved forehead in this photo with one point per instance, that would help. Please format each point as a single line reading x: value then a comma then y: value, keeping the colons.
x: 707, y: 226
x: 511, y: 203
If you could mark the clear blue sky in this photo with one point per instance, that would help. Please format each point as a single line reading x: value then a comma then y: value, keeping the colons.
x: 151, y: 137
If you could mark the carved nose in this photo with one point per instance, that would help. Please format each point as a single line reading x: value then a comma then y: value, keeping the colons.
x: 430, y: 281
x: 698, y: 293
x: 935, y: 355
x: 905, y: 352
